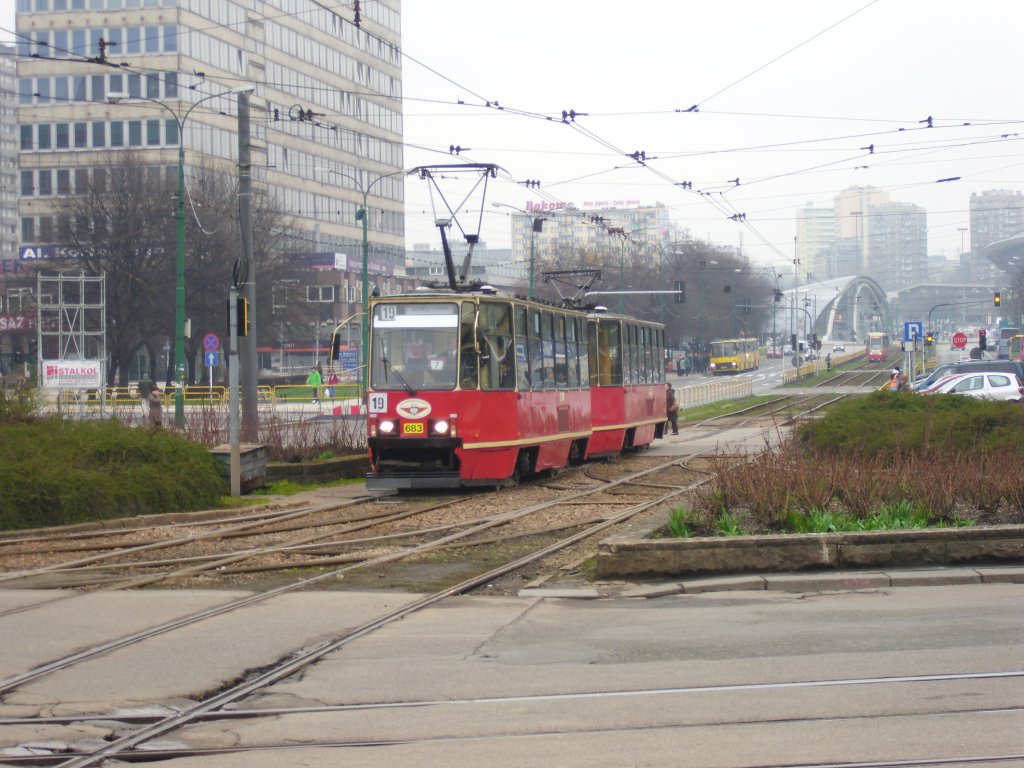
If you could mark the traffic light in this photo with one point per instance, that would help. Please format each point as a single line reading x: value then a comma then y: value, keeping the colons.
x: 792, y: 341
x: 335, y: 347
x: 929, y: 339
x: 997, y: 300
x: 680, y: 291
x: 982, y: 340
x: 241, y: 317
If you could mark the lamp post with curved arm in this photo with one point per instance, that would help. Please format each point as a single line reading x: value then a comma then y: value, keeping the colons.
x: 363, y: 215
x: 179, y: 304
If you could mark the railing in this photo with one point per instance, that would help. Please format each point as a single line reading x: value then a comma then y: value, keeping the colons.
x: 713, y: 391
x: 282, y: 394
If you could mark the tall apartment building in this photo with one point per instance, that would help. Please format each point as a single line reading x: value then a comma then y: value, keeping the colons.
x: 815, y: 232
x: 897, y: 238
x: 8, y: 156
x: 326, y: 119
x: 853, y: 209
x: 996, y: 214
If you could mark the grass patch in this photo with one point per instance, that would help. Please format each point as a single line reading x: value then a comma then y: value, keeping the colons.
x: 722, y: 408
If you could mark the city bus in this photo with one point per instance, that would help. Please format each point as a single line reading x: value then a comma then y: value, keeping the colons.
x: 734, y: 356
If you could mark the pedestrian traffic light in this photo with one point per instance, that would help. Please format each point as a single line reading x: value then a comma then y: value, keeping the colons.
x: 982, y: 340
x: 997, y: 300
x: 680, y: 291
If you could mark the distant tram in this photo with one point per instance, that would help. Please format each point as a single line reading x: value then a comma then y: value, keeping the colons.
x: 467, y: 388
x: 734, y: 356
x: 878, y: 346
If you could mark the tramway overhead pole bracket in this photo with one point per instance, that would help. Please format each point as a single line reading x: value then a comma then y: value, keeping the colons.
x: 445, y: 214
x: 578, y: 279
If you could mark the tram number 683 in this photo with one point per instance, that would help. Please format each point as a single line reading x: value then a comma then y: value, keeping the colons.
x: 413, y: 428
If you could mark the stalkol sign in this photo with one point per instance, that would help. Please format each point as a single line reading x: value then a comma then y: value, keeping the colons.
x: 10, y: 323
x: 72, y: 374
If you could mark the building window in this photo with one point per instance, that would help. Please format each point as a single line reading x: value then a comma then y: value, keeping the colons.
x: 78, y: 36
x: 98, y: 89
x: 63, y: 181
x: 152, y: 39
x: 81, y: 180
x: 99, y: 134
x: 153, y: 86
x: 46, y: 229
x: 171, y: 130
x: 28, y: 230
x: 133, y: 40
x: 27, y: 187
x: 117, y: 134
x: 81, y: 135
x: 170, y: 39
x: 115, y: 84
x: 135, y: 86
x: 79, y: 88
x: 135, y: 133
x: 63, y: 136
x: 171, y: 85
x: 46, y: 182
x: 25, y: 90
x: 60, y: 92
x: 153, y: 133
x: 26, y: 137
x: 44, y: 136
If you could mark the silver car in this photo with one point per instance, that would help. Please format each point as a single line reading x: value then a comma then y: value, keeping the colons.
x: 991, y: 385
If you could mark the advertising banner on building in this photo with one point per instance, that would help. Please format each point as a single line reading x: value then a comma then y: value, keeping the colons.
x: 72, y: 374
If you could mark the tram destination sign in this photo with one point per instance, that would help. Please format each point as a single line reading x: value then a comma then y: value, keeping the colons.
x: 72, y: 374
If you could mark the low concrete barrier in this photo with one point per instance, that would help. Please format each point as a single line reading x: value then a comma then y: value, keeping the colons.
x: 636, y: 555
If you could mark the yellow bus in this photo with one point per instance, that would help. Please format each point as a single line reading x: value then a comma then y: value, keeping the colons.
x: 734, y: 355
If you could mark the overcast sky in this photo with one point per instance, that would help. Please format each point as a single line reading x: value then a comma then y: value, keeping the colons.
x: 789, y: 93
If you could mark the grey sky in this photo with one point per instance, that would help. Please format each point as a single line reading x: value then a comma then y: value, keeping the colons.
x: 789, y: 94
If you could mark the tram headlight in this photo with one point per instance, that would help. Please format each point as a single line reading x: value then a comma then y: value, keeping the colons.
x: 440, y: 427
x: 386, y: 427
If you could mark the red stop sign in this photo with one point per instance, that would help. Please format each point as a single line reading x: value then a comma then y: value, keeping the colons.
x: 959, y: 339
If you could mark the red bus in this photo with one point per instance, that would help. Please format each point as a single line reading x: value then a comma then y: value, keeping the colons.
x: 468, y: 388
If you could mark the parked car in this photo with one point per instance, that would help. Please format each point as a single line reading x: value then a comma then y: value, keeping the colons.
x: 985, y: 384
x: 969, y: 366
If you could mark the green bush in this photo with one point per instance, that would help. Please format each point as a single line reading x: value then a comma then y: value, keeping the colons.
x: 55, y: 472
x: 888, y: 424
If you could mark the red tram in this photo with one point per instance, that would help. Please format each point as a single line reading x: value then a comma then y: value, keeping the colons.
x: 468, y: 388
x: 878, y: 346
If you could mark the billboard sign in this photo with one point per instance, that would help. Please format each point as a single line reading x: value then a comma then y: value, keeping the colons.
x: 72, y: 374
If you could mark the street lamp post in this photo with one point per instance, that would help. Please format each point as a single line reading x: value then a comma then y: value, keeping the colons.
x: 179, y: 266
x: 363, y: 215
x: 536, y: 224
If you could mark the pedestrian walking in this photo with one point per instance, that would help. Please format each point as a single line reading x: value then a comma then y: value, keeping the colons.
x: 314, y: 380
x: 672, y: 408
x: 332, y: 382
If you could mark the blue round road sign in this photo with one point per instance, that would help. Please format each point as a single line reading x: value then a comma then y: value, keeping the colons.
x: 210, y: 342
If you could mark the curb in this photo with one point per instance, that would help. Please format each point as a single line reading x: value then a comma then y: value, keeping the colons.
x: 843, y: 581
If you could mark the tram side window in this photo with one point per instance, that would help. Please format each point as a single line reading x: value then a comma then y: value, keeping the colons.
x: 629, y: 352
x: 649, y: 364
x: 497, y: 369
x: 561, y: 362
x: 467, y: 346
x: 547, y: 329
x: 572, y: 350
x: 583, y: 351
x: 536, y: 359
x: 660, y: 351
x: 609, y: 353
x: 593, y: 356
x: 522, y: 345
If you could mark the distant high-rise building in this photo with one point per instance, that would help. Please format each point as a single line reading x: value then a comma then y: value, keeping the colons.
x: 815, y: 233
x: 897, y: 239
x: 853, y: 208
x: 567, y: 232
x: 996, y: 214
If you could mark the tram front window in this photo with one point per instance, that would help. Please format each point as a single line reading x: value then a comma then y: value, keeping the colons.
x: 414, y: 346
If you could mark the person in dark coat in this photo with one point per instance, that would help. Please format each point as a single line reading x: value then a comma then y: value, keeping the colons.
x: 672, y: 407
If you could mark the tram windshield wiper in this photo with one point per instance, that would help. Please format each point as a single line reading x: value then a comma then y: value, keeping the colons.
x: 387, y: 365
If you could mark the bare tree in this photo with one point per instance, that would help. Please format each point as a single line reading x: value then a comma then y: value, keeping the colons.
x: 123, y: 223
